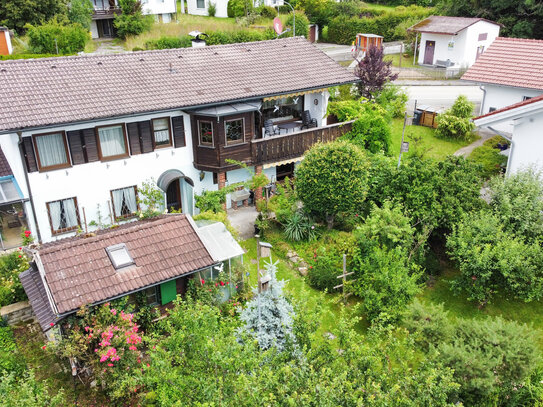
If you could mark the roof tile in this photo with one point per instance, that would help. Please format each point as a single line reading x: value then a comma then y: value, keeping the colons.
x: 52, y: 91
x: 445, y: 24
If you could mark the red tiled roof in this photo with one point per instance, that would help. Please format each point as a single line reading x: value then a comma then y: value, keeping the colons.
x: 60, y: 90
x: 5, y: 168
x: 514, y: 106
x: 78, y: 270
x: 445, y: 25
x: 510, y: 61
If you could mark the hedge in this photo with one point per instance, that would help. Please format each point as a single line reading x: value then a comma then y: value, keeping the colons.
x: 343, y: 29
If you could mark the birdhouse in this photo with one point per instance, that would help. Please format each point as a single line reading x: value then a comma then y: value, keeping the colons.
x: 265, y: 249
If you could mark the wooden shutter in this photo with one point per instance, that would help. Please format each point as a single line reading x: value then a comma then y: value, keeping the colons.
x: 30, y: 157
x: 178, y: 131
x: 146, y: 136
x: 134, y: 138
x: 168, y: 292
x: 76, y: 147
x: 91, y: 148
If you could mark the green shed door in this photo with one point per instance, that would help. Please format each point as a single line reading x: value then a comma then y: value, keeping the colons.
x: 168, y: 292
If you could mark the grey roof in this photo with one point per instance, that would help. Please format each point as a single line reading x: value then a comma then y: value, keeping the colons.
x: 5, y: 168
x: 219, y: 242
x: 445, y: 25
x: 225, y: 110
x: 52, y: 91
x: 35, y: 291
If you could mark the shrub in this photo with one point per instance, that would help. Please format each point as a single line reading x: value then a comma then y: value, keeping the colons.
x: 386, y: 283
x: 166, y: 42
x: 429, y: 324
x: 371, y: 130
x: 267, y: 11
x: 11, y: 289
x: 489, y: 357
x: 494, y: 141
x: 302, y: 23
x: 490, y: 160
x: 239, y: 8
x: 299, y: 227
x: 284, y: 202
x: 346, y: 110
x: 131, y: 21
x: 211, y: 9
x: 10, y: 359
x: 393, y: 99
x: 455, y: 122
x: 332, y: 179
x: 80, y: 11
x: 70, y: 38
x: 518, y: 202
x: 108, y: 341
x: 324, y: 269
x: 26, y: 390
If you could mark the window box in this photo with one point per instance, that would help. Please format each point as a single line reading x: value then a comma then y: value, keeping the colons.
x: 112, y: 143
x: 51, y: 151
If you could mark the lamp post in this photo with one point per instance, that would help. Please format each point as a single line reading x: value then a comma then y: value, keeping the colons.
x: 293, y: 14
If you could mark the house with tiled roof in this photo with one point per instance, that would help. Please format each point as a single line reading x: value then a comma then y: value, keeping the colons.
x: 453, y: 42
x: 510, y: 71
x: 156, y: 257
x: 525, y: 121
x: 82, y: 133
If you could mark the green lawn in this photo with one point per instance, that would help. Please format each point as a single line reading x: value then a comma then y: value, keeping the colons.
x: 407, y: 62
x: 422, y: 138
x: 458, y: 306
x: 297, y: 287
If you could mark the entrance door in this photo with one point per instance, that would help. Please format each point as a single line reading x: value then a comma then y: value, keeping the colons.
x: 429, y: 52
x: 173, y: 196
x: 312, y: 32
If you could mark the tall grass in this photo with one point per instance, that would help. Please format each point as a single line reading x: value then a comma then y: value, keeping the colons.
x: 188, y: 23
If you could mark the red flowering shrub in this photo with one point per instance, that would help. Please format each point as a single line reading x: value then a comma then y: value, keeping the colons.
x: 108, y: 342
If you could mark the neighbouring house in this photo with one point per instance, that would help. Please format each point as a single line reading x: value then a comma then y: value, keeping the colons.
x: 102, y: 26
x: 525, y: 119
x: 201, y: 7
x: 453, y: 42
x: 5, y: 41
x: 156, y: 256
x: 82, y: 133
x: 510, y: 71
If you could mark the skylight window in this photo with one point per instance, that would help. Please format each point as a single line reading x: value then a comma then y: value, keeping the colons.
x: 119, y: 256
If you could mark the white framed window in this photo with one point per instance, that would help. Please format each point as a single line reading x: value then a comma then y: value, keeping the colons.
x: 234, y: 131
x: 124, y: 200
x: 112, y: 142
x: 63, y: 215
x: 200, y: 4
x: 205, y: 133
x: 51, y: 151
x: 162, y: 136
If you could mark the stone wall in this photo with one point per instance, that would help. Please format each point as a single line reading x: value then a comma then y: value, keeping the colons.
x: 17, y: 313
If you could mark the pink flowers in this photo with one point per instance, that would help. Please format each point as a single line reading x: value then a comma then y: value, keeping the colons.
x: 113, y: 311
x: 202, y: 281
x: 27, y: 233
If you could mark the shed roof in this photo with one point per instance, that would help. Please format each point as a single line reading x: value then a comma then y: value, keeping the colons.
x: 445, y: 24
x: 510, y: 61
x: 5, y: 168
x: 220, y: 243
x: 51, y: 91
x: 78, y: 270
x: 37, y: 296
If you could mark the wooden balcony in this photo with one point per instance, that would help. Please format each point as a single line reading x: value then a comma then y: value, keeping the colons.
x: 105, y: 13
x: 294, y: 145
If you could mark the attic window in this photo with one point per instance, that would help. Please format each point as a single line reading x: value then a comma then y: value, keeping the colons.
x: 119, y: 256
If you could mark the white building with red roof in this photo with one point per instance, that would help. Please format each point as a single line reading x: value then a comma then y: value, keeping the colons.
x: 510, y: 71
x: 525, y: 121
x: 454, y: 42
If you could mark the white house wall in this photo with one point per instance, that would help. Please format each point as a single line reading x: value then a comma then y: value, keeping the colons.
x: 466, y: 42
x: 94, y: 30
x: 501, y: 96
x: 221, y: 5
x: 528, y: 144
x: 159, y: 7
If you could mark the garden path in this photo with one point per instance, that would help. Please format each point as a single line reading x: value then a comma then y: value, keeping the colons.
x: 466, y: 151
x: 243, y: 220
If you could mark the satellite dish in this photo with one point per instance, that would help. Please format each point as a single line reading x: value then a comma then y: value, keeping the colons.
x: 277, y: 25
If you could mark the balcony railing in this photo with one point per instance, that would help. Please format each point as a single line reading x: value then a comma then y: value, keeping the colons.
x: 294, y: 145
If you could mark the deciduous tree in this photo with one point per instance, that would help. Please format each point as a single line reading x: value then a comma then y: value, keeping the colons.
x: 373, y: 72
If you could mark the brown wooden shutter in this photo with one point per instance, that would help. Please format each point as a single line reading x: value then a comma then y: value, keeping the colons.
x: 146, y: 136
x: 30, y: 157
x: 178, y: 131
x: 91, y: 148
x: 134, y: 138
x: 76, y: 147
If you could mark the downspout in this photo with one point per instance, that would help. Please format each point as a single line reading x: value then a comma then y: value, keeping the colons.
x: 510, y: 139
x: 483, y: 101
x: 23, y: 161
